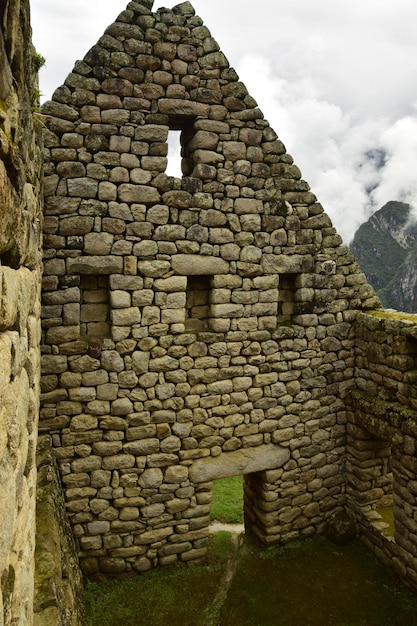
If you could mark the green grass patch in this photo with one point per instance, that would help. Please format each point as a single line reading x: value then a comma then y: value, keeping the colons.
x: 309, y: 582
x: 316, y: 583
x: 395, y: 315
x: 227, y: 502
x: 175, y: 596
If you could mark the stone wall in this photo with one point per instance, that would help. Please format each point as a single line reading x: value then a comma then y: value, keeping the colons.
x: 20, y: 269
x: 193, y: 327
x: 382, y: 437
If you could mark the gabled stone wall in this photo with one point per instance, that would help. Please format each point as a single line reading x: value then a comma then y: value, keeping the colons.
x: 20, y: 278
x: 193, y: 327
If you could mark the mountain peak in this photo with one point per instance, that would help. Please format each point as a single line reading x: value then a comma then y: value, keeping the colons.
x: 386, y: 248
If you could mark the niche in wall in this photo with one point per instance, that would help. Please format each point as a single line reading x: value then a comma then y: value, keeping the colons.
x: 95, y: 306
x: 286, y: 296
x: 197, y: 302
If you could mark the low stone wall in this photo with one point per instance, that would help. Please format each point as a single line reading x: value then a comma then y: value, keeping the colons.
x: 20, y: 279
x: 382, y: 436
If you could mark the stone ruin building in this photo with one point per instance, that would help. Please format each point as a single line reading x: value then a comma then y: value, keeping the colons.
x: 194, y: 327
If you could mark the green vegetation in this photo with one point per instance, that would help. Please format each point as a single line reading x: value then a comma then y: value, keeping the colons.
x: 395, y: 315
x: 305, y: 582
x: 37, y: 116
x: 175, y: 596
x: 385, y: 248
x: 308, y: 582
x: 227, y: 503
x: 316, y: 583
x: 38, y: 61
x: 376, y: 250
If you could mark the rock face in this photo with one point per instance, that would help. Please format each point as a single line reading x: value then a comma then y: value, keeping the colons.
x: 20, y: 276
x: 386, y: 248
x: 193, y: 327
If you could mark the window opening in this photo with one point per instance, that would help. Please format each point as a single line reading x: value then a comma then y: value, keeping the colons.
x: 95, y: 306
x: 174, y: 154
x: 197, y: 302
x: 180, y: 158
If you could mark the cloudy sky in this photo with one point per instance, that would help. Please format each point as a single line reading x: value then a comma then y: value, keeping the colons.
x: 336, y: 80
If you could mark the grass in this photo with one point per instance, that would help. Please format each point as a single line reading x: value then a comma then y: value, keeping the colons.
x: 310, y: 582
x: 227, y: 503
x: 395, y: 315
x: 175, y: 596
x: 315, y: 583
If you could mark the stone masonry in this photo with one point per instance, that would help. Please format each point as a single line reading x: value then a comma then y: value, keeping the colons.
x: 382, y: 437
x: 193, y: 327
x: 20, y: 278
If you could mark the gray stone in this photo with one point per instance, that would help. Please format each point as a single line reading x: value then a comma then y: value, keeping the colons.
x: 95, y: 265
x: 239, y: 462
x: 189, y: 265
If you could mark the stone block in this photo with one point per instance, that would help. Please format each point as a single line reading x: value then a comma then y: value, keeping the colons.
x: 106, y: 264
x: 172, y: 284
x: 246, y: 461
x: 98, y: 528
x: 142, y: 447
x: 286, y: 264
x: 88, y: 464
x: 141, y: 194
x: 113, y: 423
x: 82, y: 187
x: 176, y: 474
x: 118, y: 461
x: 125, y: 316
x: 183, y: 107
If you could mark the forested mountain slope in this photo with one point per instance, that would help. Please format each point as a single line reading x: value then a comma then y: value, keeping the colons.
x: 386, y: 249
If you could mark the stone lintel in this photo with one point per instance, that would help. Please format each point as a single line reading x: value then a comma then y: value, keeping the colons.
x: 286, y: 264
x: 95, y: 265
x: 184, y: 108
x: 239, y: 462
x: 194, y: 265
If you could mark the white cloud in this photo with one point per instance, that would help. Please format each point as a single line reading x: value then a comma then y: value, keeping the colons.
x: 399, y: 175
x: 63, y: 32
